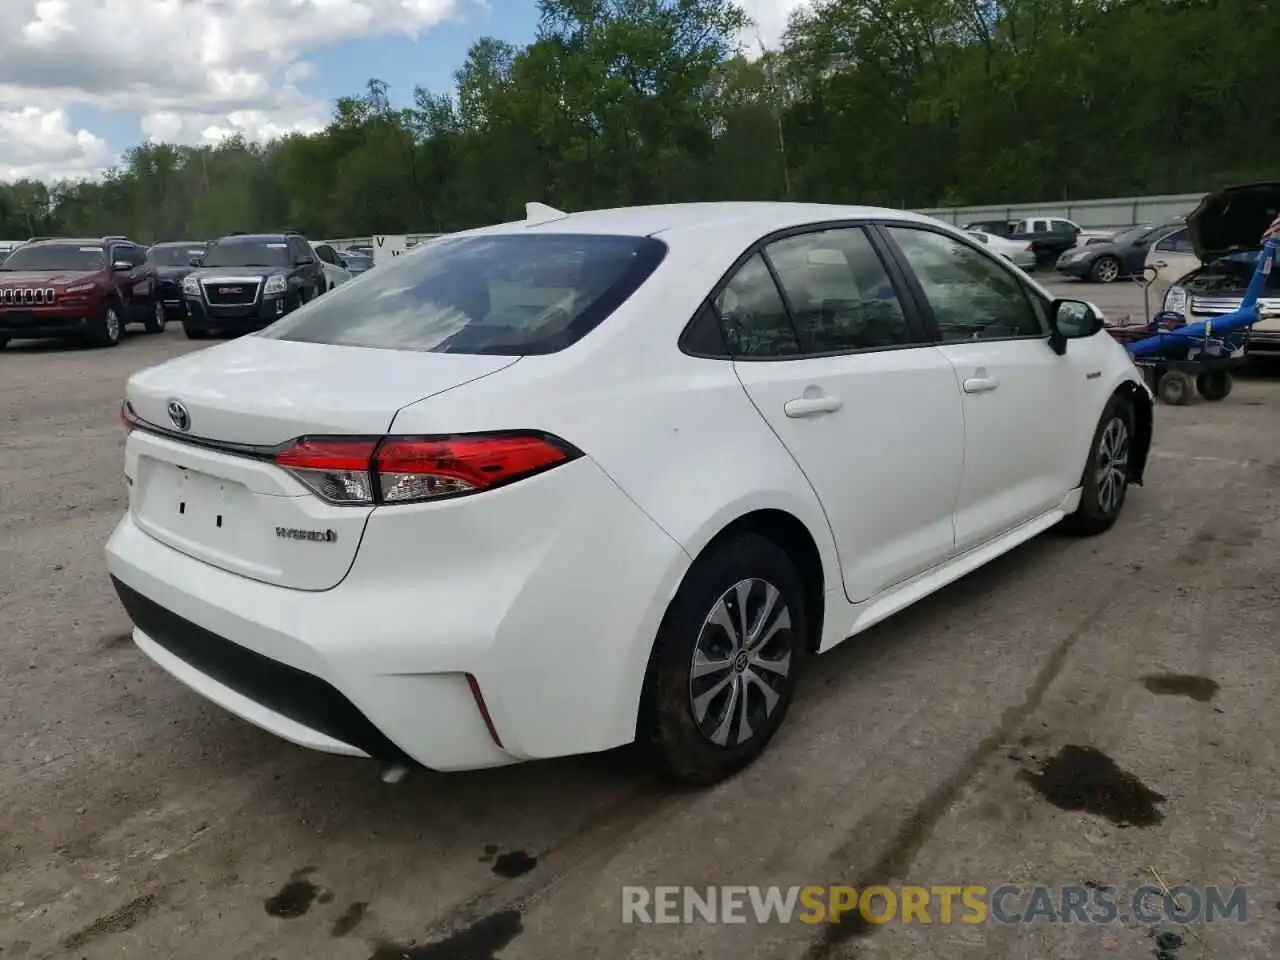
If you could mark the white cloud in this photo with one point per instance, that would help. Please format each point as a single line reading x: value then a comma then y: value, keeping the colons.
x: 770, y: 22
x: 40, y: 145
x: 194, y: 70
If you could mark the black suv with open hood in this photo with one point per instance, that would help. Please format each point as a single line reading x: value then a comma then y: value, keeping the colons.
x: 1226, y: 230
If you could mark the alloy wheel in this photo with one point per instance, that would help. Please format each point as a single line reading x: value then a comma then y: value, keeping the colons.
x: 741, y: 662
x: 1107, y: 270
x: 161, y: 317
x: 1112, y: 466
x: 111, y: 324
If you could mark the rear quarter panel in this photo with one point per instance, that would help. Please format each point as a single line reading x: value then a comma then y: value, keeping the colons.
x: 677, y: 433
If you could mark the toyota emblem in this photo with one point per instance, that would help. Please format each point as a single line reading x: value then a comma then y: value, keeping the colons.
x: 179, y: 416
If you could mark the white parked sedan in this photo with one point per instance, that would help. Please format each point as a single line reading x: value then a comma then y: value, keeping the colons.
x: 1020, y: 254
x: 567, y: 483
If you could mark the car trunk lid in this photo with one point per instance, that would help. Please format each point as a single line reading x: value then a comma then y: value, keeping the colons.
x: 202, y: 479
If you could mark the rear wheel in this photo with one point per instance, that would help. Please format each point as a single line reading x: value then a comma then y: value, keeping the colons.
x: 1105, y: 481
x: 1214, y: 384
x: 106, y: 330
x: 157, y: 319
x: 724, y: 667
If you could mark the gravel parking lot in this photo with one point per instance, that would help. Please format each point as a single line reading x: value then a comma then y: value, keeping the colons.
x: 943, y: 747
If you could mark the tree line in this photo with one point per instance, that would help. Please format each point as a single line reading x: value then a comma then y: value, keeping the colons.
x: 902, y: 103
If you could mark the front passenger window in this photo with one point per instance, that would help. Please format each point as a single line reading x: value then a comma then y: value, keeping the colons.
x: 972, y: 296
x: 753, y: 316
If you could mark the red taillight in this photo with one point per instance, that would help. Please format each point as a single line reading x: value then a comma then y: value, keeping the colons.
x: 411, y: 470
x: 335, y: 469
x: 329, y: 455
x: 415, y: 469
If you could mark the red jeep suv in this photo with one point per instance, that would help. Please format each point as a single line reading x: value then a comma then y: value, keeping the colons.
x: 80, y: 289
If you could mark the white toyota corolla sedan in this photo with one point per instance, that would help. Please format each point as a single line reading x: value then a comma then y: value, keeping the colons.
x: 558, y: 485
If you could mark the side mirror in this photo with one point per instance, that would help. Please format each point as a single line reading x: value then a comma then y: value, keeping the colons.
x: 303, y: 261
x: 1072, y: 320
x: 122, y: 266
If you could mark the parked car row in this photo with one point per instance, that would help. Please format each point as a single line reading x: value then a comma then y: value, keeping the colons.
x: 1123, y: 255
x: 91, y: 289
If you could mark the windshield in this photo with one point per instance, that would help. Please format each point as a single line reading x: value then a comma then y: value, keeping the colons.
x: 1134, y: 234
x: 177, y: 255
x: 57, y: 256
x: 509, y: 295
x: 247, y: 253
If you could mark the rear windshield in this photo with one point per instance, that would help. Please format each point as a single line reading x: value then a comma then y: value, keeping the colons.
x: 76, y: 257
x: 509, y: 295
x: 248, y: 253
x: 175, y: 256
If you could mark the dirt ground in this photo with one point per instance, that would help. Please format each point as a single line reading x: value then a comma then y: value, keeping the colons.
x: 1078, y: 712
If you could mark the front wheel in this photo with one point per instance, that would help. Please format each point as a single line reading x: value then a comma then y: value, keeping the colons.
x: 1105, y: 481
x: 107, y: 329
x: 157, y: 319
x: 1175, y: 388
x: 1105, y: 270
x: 725, y: 664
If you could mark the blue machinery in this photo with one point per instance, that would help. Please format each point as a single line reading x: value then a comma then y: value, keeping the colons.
x: 1246, y: 316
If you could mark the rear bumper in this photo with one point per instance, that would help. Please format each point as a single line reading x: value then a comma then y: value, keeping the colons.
x: 37, y: 322
x: 548, y: 594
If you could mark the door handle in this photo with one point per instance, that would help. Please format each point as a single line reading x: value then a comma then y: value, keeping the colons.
x: 1160, y: 263
x: 811, y: 406
x: 980, y: 384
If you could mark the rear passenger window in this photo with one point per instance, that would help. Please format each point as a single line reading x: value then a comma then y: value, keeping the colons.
x: 970, y: 294
x: 753, y: 316
x: 840, y: 294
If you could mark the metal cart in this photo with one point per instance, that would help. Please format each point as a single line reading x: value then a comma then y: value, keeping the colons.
x: 1180, y: 359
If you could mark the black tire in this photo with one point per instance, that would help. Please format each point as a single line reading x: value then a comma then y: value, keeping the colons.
x: 156, y: 318
x: 1105, y: 270
x: 107, y: 328
x: 194, y: 334
x: 668, y: 729
x: 1214, y: 384
x: 1175, y: 388
x: 4, y: 342
x: 1101, y: 504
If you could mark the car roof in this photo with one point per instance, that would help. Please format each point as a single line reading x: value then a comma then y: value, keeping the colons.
x: 68, y: 240
x: 754, y: 218
x: 179, y: 243
x: 255, y: 237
